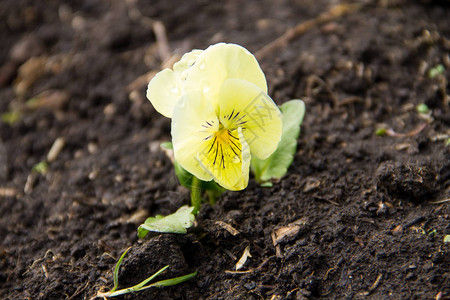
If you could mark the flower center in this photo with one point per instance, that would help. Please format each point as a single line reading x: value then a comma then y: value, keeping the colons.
x: 222, y: 134
x: 224, y: 147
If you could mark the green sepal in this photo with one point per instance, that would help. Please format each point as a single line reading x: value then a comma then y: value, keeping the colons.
x: 185, y: 178
x: 167, y: 145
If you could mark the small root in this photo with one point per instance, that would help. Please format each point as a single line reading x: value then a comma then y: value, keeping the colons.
x: 416, y: 131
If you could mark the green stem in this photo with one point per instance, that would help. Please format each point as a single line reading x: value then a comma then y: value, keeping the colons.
x: 196, y: 195
x: 211, y: 197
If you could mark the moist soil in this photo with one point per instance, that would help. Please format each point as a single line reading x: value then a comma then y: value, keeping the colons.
x: 358, y: 215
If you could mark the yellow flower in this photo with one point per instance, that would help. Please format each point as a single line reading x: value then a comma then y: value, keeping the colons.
x: 221, y: 113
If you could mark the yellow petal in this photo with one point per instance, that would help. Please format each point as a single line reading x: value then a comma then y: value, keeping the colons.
x: 227, y: 159
x: 187, y: 61
x: 164, y: 90
x: 220, y: 62
x: 243, y: 104
x: 193, y: 124
x: 167, y: 87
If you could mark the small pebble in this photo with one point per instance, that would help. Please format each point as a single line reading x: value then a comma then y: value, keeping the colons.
x: 250, y: 285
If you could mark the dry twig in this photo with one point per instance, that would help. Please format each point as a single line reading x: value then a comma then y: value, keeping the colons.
x: 233, y: 231
x: 56, y: 148
x: 440, y: 201
x: 7, y: 192
x: 161, y: 39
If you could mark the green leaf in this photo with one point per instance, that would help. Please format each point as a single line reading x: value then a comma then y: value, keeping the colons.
x: 437, y: 70
x: 142, y: 285
x: 422, y: 108
x: 116, y: 270
x: 277, y: 164
x: 177, y: 222
x: 380, y: 131
x: 172, y: 281
x: 41, y: 167
x: 10, y: 117
x: 267, y: 184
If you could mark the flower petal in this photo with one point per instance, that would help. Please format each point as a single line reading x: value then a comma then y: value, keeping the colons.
x: 167, y: 87
x: 164, y: 90
x: 187, y: 61
x: 227, y: 159
x: 193, y: 124
x: 243, y: 104
x: 220, y: 62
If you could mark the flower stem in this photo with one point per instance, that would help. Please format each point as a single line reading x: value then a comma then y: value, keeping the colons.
x: 196, y: 195
x: 211, y: 197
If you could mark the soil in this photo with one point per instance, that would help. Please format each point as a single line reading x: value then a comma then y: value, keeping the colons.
x: 358, y: 215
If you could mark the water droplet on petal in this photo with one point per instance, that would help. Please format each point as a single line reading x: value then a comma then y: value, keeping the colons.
x: 184, y: 74
x: 206, y: 88
x: 202, y: 66
x: 175, y: 90
x: 236, y: 159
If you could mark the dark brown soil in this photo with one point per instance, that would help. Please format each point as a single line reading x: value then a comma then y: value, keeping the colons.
x: 361, y: 208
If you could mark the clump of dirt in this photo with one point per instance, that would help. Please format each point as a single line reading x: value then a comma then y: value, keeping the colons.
x: 149, y: 255
x: 357, y: 216
x: 407, y: 181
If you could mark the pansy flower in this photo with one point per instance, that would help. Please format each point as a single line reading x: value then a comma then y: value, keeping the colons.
x: 221, y: 113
